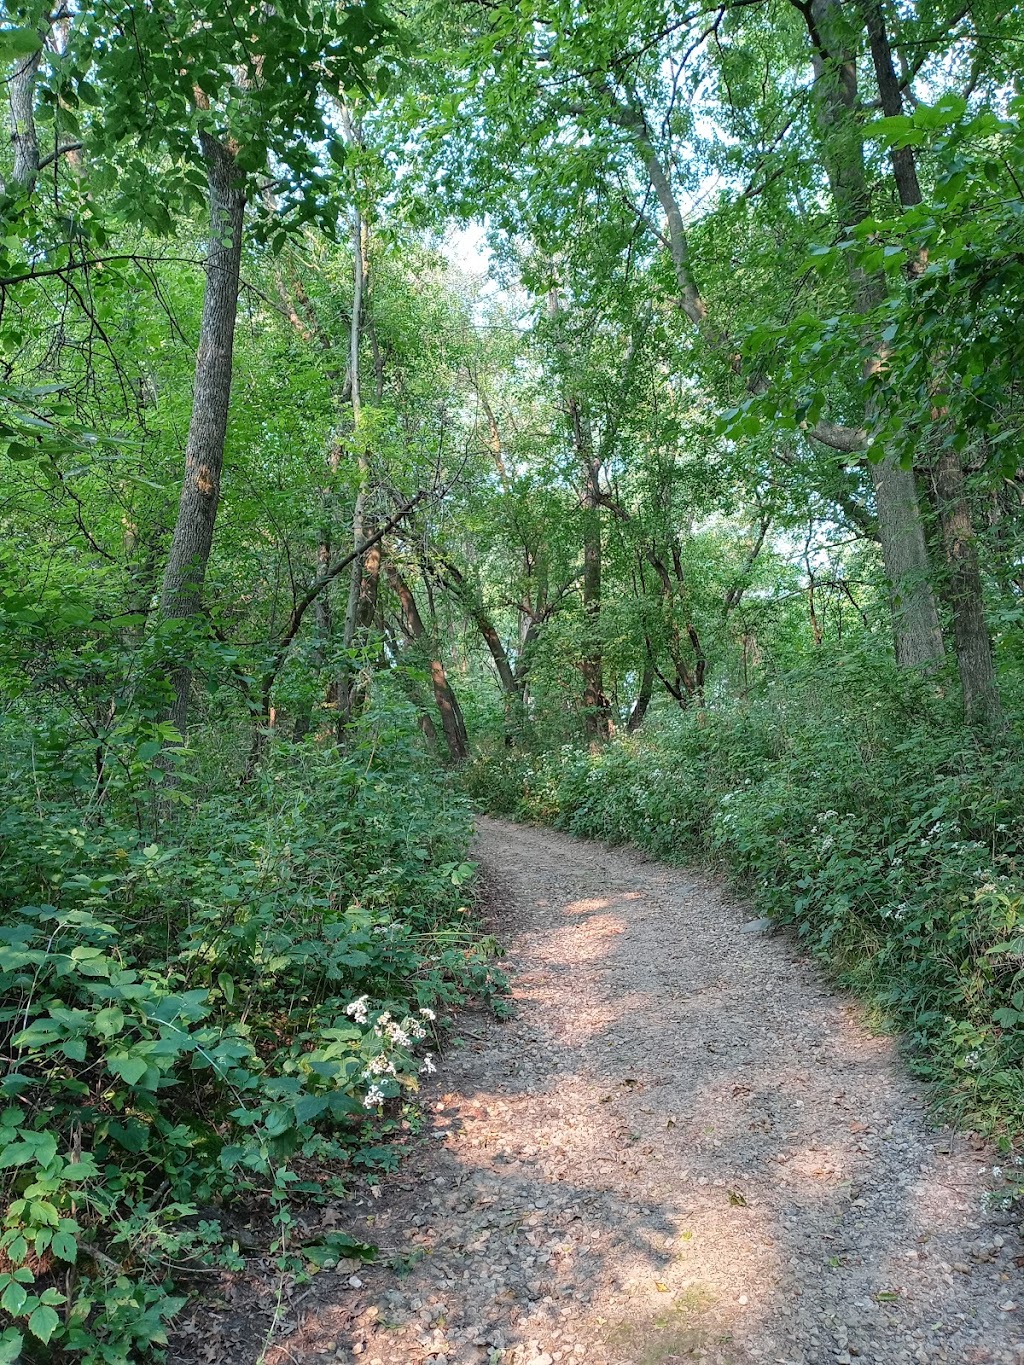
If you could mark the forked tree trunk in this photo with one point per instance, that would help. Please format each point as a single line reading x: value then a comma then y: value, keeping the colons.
x: 181, y: 598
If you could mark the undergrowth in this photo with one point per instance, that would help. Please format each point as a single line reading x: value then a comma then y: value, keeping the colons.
x: 221, y: 1017
x: 848, y: 803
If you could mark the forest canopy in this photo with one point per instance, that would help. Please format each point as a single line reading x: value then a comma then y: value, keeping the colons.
x: 610, y: 415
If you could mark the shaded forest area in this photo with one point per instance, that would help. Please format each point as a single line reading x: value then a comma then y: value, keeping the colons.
x: 609, y: 415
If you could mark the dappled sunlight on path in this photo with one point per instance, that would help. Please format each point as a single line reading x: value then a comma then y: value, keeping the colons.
x: 685, y: 1147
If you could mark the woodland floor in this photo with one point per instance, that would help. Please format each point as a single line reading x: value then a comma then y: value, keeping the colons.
x: 686, y: 1146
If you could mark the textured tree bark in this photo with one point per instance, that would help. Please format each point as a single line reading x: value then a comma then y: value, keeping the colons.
x: 971, y: 639
x: 452, y: 721
x: 181, y: 598
x: 982, y: 706
x: 24, y: 139
x: 917, y: 632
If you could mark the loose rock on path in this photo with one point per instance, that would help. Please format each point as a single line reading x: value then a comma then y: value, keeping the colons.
x: 685, y: 1146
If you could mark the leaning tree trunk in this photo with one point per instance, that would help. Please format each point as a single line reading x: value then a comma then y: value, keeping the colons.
x: 971, y: 639
x: 452, y: 721
x: 181, y: 598
x: 916, y: 628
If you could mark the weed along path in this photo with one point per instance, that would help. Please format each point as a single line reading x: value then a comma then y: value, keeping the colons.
x: 685, y: 1146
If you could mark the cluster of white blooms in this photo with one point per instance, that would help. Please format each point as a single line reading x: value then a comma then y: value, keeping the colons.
x: 398, y: 1033
x: 401, y: 1034
x: 379, y: 1066
x: 972, y: 1061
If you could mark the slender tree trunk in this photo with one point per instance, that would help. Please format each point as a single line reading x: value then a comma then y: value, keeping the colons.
x: 643, y: 698
x: 452, y: 721
x: 971, y: 639
x: 185, y: 573
x: 596, y: 713
x: 348, y: 633
x: 917, y: 632
x: 595, y: 703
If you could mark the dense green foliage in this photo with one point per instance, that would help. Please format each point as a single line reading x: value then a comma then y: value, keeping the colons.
x: 183, y: 1021
x: 696, y: 523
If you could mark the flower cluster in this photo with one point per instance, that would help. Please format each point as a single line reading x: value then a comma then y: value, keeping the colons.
x: 381, y: 1071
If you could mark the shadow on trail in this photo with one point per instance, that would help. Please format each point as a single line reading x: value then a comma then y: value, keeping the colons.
x: 684, y: 1147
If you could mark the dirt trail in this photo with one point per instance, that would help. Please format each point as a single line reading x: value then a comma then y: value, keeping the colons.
x: 685, y: 1147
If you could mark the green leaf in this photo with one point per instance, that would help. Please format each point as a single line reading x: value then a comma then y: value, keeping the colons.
x: 43, y: 1323
x: 65, y: 1246
x: 10, y: 1346
x: 13, y: 1299
x: 18, y: 42
x: 130, y: 1069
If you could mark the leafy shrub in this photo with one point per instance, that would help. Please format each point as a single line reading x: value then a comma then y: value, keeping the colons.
x: 211, y: 1018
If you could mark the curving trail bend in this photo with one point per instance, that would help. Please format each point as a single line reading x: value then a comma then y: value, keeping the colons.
x: 685, y: 1147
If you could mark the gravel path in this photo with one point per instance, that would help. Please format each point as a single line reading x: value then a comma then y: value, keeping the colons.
x: 685, y: 1147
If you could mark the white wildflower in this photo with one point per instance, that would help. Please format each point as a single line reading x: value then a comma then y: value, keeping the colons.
x: 379, y: 1066
x: 374, y: 1097
x: 428, y: 1067
x: 428, y: 1014
x: 357, y: 1009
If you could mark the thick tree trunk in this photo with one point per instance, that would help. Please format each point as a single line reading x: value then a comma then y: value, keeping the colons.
x: 917, y: 632
x: 966, y: 595
x: 185, y: 573
x: 452, y: 721
x: 970, y: 630
x: 24, y: 139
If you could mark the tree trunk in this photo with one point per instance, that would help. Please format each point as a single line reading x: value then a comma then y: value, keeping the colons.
x: 643, y: 698
x: 966, y: 595
x: 975, y: 664
x: 185, y: 573
x: 596, y: 713
x: 24, y: 139
x: 452, y: 721
x: 917, y: 632
x: 595, y: 703
x: 346, y: 677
